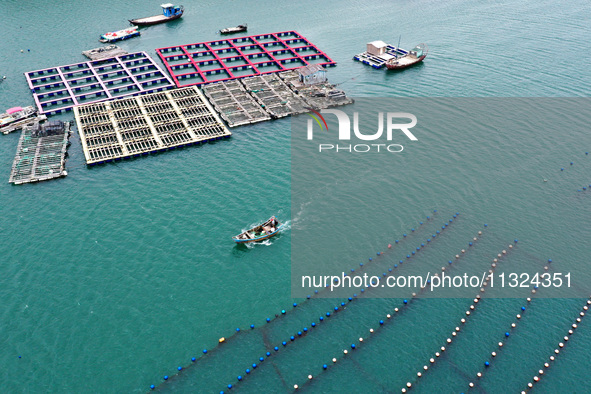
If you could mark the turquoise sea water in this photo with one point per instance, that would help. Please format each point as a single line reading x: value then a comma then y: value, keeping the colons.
x: 116, y: 275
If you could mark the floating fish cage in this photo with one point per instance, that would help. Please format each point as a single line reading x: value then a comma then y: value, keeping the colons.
x: 231, y: 58
x: 41, y: 153
x: 58, y: 89
x: 234, y: 104
x: 149, y: 123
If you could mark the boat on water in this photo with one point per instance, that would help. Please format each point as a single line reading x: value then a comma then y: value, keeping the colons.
x: 232, y: 30
x: 120, y: 35
x: 261, y: 232
x: 414, y: 56
x: 16, y: 115
x: 169, y: 12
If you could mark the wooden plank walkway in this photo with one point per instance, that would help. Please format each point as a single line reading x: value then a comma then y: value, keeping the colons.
x: 140, y: 125
x: 39, y: 156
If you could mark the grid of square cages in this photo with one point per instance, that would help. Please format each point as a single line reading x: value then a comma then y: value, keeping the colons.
x: 138, y: 125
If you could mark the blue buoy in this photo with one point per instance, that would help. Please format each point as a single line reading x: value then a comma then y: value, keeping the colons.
x: 413, y: 252
x: 428, y: 217
x: 268, y: 354
x: 451, y: 220
x: 487, y: 363
x: 435, y: 211
x: 355, y: 295
x: 412, y: 229
x: 276, y: 348
x: 418, y: 248
x: 522, y: 308
x: 389, y: 269
x: 405, y: 301
x: 381, y: 322
x: 422, y: 245
x: 400, y: 261
x: 485, y: 225
x: 239, y: 377
x: 204, y: 351
x: 193, y: 359
x: 254, y: 366
x: 152, y: 387
x: 396, y: 241
x: 378, y: 253
x: 361, y: 264
x: 420, y: 222
x: 261, y: 359
x: 352, y: 346
x: 571, y: 163
x: 284, y: 343
x: 268, y: 320
x: 437, y: 232
x: 230, y: 386
x: 292, y: 338
x: 321, y: 318
x: 336, y: 308
x: 395, y: 265
x: 449, y: 262
x: 342, y: 304
x: 180, y: 368
x: 237, y: 330
x: 283, y: 312
x: 165, y: 377
x: 384, y: 274
x: 562, y: 169
x: 428, y: 239
x: 252, y: 326
x: 299, y: 333
x: 370, y: 259
x: 327, y: 314
x: 315, y: 291
x: 350, y: 299
x: 549, y: 260
x: 404, y: 235
x: 408, y: 256
x: 324, y: 366
x: 515, y: 240
x: 507, y: 334
x: 470, y: 244
x: 305, y: 329
x: 313, y: 324
x: 247, y: 370
x: 586, y: 153
x: 363, y: 290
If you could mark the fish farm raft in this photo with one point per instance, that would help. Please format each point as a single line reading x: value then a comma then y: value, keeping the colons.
x: 41, y: 153
x: 58, y: 89
x: 140, y: 125
x: 227, y: 59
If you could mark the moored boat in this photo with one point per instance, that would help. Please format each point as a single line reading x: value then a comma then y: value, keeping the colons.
x: 414, y: 56
x: 169, y: 12
x: 232, y: 30
x: 261, y: 232
x: 16, y: 114
x: 120, y: 35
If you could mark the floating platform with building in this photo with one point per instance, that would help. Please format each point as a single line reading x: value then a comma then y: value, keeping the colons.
x: 378, y: 53
x: 14, y: 118
x: 139, y: 125
x: 104, y: 52
x: 58, y: 89
x: 41, y: 153
x: 231, y: 58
